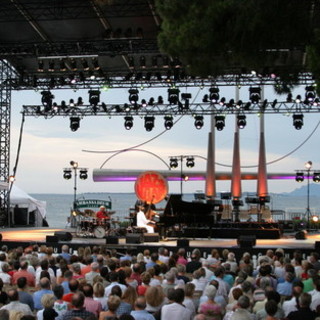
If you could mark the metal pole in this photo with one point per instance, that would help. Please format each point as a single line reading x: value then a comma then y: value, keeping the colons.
x: 181, y: 176
x: 75, y: 188
x: 308, y: 198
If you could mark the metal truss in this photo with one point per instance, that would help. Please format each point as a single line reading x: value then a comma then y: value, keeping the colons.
x: 5, y: 116
x: 203, y: 109
x: 156, y: 78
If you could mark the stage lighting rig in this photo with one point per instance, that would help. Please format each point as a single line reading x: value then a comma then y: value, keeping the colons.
x: 186, y: 98
x: 190, y: 162
x: 214, y: 95
x: 83, y: 174
x: 168, y: 122
x: 128, y: 122
x: 173, y: 96
x: 94, y: 97
x: 220, y: 122
x: 173, y: 163
x: 241, y: 121
x: 310, y: 94
x: 316, y: 176
x: 133, y: 96
x: 149, y: 123
x: 198, y: 122
x: 255, y: 94
x: 67, y: 174
x: 299, y: 176
x: 46, y: 100
x: 74, y: 123
x: 297, y: 121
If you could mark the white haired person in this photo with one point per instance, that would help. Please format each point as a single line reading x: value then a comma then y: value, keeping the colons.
x: 210, y: 308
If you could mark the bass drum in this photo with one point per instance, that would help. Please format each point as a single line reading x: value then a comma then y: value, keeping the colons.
x: 99, y: 232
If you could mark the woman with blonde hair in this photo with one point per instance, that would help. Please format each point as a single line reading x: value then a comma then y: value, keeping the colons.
x: 155, y: 299
x: 98, y: 294
x: 47, y: 301
x: 130, y: 295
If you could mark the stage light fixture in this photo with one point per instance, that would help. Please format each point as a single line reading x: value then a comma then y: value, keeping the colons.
x: 299, y: 176
x: 80, y: 101
x: 316, y: 176
x: 85, y: 64
x: 149, y: 123
x: 40, y: 66
x: 198, y: 122
x: 247, y: 106
x: 289, y: 97
x: 230, y: 104
x: 173, y: 163
x: 222, y: 101
x: 95, y: 64
x: 71, y: 103
x: 190, y: 162
x: 310, y: 94
x: 128, y: 122
x: 168, y: 122
x: 131, y: 62
x: 83, y: 175
x: 173, y: 96
x: 51, y: 66
x: 297, y: 121
x: 255, y: 94
x: 239, y: 104
x: 220, y: 122
x: 241, y: 121
x: 73, y: 64
x: 46, y: 99
x: 133, y: 96
x: 166, y: 61
x: 298, y: 99
x: 142, y: 62
x: 205, y: 98
x: 315, y: 218
x: 160, y: 100
x: 151, y: 101
x: 94, y: 97
x: 74, y: 123
x: 67, y: 174
x: 214, y: 95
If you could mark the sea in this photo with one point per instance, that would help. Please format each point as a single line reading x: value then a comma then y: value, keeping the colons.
x: 285, y: 207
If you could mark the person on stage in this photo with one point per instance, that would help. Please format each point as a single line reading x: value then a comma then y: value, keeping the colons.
x: 102, y: 213
x: 143, y: 222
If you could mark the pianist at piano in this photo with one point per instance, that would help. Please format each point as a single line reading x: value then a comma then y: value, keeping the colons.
x: 142, y: 221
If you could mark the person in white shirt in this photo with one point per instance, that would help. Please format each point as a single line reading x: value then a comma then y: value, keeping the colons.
x: 142, y: 221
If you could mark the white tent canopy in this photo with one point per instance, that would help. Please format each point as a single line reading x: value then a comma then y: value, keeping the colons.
x: 21, y: 199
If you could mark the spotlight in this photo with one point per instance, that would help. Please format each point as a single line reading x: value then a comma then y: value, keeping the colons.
x: 220, y: 122
x: 151, y: 101
x: 128, y: 122
x: 83, y: 174
x: 299, y: 176
x: 308, y: 165
x: 143, y: 103
x: 316, y: 176
x: 190, y: 162
x: 73, y: 64
x: 214, y: 95
x: 94, y: 97
x: 230, y: 104
x: 205, y: 98
x: 165, y: 60
x: 74, y: 164
x: 80, y: 101
x: 255, y: 94
x: 46, y: 99
x: 160, y: 100
x: 310, y: 94
x: 131, y: 62
x: 51, y: 66
x: 85, y: 64
x: 173, y: 162
x: 67, y: 174
x: 95, y: 64
x: 168, y: 122
x: 40, y: 66
x: 71, y: 103
x: 222, y: 101
x: 289, y: 97
x: 133, y: 96
x: 239, y: 104
x: 298, y: 121
x: 74, y: 123
x: 298, y: 98
x: 198, y: 122
x: 315, y: 218
x: 149, y: 123
x: 186, y: 97
x: 142, y: 62
x: 173, y: 96
x: 241, y: 121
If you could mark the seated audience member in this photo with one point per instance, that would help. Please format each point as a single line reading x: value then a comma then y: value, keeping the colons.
x: 140, y: 312
x: 210, y: 307
x: 113, y: 303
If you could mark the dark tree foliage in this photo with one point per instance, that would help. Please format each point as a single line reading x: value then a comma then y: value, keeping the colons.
x: 214, y: 37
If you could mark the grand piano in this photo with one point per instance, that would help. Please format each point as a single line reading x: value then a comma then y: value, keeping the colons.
x: 202, y: 219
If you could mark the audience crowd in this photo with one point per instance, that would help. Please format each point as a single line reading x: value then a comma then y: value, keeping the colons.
x: 95, y: 283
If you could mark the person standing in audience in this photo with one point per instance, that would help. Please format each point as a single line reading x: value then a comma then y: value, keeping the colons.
x: 304, y: 312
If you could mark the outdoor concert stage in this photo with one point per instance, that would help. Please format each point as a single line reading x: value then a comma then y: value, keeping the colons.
x: 14, y: 237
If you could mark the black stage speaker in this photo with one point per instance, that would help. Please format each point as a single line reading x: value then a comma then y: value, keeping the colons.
x: 246, y: 241
x: 63, y: 235
x: 301, y: 235
x: 317, y: 246
x: 134, y: 238
x: 182, y: 243
x: 52, y: 239
x: 112, y: 240
x: 151, y: 237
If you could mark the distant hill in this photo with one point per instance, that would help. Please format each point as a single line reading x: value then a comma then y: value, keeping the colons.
x: 302, y: 191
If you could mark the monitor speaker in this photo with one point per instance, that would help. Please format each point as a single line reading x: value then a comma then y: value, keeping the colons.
x: 182, y: 243
x: 245, y: 241
x: 52, y: 239
x: 301, y: 235
x: 134, y: 238
x: 63, y: 235
x: 151, y: 237
x: 112, y: 240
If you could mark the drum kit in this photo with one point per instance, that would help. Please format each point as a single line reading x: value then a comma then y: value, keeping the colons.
x: 88, y: 227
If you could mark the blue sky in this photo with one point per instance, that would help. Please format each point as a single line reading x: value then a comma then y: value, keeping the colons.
x: 48, y: 145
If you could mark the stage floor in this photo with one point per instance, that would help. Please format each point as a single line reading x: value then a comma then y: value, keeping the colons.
x: 35, y: 235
